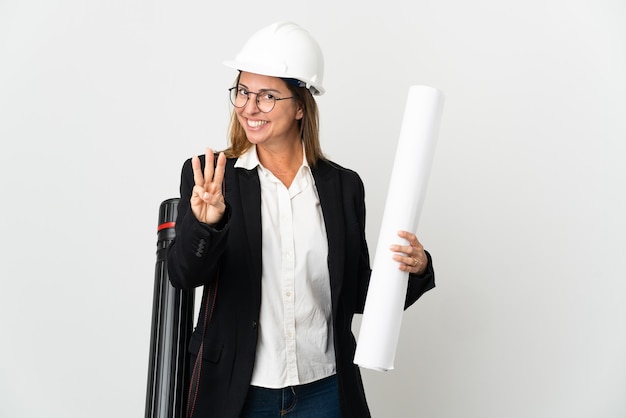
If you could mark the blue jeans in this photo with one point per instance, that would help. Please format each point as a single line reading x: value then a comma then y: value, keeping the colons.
x: 316, y: 399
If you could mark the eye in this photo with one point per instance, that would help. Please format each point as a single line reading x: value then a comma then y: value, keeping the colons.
x: 242, y: 91
x: 265, y: 96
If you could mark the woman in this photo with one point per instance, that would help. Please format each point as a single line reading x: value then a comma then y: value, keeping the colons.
x: 276, y: 234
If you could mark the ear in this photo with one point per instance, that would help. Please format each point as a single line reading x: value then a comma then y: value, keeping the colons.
x: 299, y: 112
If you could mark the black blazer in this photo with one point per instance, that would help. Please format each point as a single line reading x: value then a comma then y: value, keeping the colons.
x: 231, y: 253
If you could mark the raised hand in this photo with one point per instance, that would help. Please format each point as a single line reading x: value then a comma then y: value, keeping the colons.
x: 207, y: 200
x: 412, y: 257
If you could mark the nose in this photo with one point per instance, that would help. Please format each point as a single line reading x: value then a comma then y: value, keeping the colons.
x: 252, y: 105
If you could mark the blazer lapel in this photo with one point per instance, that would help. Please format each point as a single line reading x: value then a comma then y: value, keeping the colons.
x: 250, y: 198
x: 328, y: 186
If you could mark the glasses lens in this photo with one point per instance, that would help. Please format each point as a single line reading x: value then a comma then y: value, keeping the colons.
x: 265, y: 101
x: 238, y: 97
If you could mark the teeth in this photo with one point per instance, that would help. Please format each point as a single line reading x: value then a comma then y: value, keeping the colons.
x: 256, y: 123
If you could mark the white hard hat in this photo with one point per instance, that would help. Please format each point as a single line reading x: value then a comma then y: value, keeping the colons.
x: 283, y: 50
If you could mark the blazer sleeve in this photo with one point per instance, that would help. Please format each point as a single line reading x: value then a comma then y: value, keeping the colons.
x: 420, y: 284
x: 193, y: 256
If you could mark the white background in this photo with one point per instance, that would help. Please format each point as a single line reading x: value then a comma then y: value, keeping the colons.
x: 102, y: 101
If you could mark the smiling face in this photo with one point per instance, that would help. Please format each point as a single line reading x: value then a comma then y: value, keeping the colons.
x: 280, y: 125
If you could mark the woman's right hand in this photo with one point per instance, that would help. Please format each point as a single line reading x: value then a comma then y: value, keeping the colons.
x: 207, y: 200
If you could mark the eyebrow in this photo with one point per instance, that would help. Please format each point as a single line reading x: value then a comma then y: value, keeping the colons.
x: 261, y: 90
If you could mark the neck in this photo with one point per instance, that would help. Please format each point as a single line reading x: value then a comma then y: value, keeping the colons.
x: 283, y: 162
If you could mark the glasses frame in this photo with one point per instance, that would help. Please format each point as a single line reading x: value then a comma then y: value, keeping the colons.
x: 276, y: 99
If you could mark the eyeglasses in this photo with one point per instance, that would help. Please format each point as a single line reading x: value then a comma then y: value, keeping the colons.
x: 265, y: 100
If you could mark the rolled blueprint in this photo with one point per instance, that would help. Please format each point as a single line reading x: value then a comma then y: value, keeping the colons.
x: 384, y: 305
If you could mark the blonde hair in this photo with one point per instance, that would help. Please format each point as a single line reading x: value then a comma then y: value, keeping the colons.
x: 308, y: 125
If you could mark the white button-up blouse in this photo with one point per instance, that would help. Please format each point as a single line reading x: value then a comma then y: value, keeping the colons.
x: 295, y: 344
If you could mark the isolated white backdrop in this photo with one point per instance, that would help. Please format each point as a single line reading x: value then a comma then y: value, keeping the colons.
x: 101, y: 102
